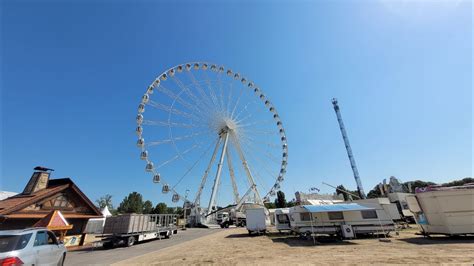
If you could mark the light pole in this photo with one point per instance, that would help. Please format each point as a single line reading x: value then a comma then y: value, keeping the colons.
x: 184, y: 209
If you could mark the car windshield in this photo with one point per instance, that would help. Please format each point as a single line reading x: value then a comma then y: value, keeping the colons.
x: 14, y: 242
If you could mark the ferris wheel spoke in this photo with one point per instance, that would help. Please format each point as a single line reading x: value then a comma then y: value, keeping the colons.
x: 250, y: 115
x: 263, y: 164
x: 179, y: 155
x: 260, y: 132
x: 265, y: 153
x: 257, y: 123
x: 177, y: 98
x: 229, y: 91
x: 170, y: 124
x: 171, y: 109
x: 174, y: 139
x: 194, y: 165
x: 236, y: 117
x: 201, y: 103
x: 250, y: 141
x: 214, y: 97
x: 229, y: 97
x: 203, y: 94
x: 213, y: 94
x: 237, y: 102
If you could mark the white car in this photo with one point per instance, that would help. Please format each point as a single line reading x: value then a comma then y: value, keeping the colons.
x: 34, y: 246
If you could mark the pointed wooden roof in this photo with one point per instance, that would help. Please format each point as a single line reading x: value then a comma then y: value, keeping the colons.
x: 54, y: 221
x: 9, y: 206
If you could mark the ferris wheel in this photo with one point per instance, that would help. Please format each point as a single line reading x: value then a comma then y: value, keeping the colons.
x: 211, y: 131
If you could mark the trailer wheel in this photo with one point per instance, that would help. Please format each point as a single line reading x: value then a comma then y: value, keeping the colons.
x: 130, y: 241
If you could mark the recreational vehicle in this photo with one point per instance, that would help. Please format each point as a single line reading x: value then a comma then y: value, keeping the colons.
x: 282, y: 219
x: 380, y: 204
x: 346, y: 220
x: 444, y: 210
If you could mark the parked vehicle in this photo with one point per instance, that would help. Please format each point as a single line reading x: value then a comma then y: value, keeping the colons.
x: 34, y: 246
x: 282, y: 219
x: 345, y: 220
x: 127, y: 229
x: 444, y: 210
x: 256, y: 220
x: 226, y: 219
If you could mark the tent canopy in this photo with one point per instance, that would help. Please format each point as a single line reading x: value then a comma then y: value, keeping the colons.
x: 105, y: 211
x: 336, y: 207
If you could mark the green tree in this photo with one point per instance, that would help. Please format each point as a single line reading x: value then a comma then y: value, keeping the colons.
x: 160, y: 208
x: 374, y: 193
x: 291, y: 203
x: 133, y: 203
x: 270, y: 205
x: 105, y: 200
x: 280, y: 201
x: 147, y: 207
x: 175, y: 210
x: 340, y: 190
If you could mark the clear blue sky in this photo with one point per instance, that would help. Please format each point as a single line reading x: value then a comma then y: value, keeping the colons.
x: 73, y: 73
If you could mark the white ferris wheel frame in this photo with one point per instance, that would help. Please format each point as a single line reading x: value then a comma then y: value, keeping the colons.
x: 222, y: 138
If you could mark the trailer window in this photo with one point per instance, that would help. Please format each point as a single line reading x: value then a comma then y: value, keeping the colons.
x: 283, y: 219
x: 369, y: 214
x: 335, y: 216
x: 305, y: 216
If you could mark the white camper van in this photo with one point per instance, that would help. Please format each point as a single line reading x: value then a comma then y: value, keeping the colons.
x: 346, y: 220
x: 282, y: 219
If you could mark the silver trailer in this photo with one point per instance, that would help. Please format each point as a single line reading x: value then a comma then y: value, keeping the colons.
x: 127, y: 229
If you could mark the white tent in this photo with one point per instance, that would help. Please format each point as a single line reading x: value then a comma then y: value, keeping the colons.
x: 105, y: 211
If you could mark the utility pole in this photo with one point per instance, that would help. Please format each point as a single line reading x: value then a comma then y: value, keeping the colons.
x: 348, y: 149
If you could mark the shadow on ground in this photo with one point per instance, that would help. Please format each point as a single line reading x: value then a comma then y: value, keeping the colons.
x: 439, y: 240
x: 295, y: 241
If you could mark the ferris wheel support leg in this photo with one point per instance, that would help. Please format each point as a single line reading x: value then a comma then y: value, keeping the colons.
x: 197, y: 200
x: 218, y: 173
x: 232, y: 178
x: 253, y: 186
x: 242, y: 200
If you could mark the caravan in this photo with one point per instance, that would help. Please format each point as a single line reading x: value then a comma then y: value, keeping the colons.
x: 444, y: 210
x: 346, y: 220
x: 282, y: 219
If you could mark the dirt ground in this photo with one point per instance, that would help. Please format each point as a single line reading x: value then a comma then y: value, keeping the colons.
x: 234, y: 246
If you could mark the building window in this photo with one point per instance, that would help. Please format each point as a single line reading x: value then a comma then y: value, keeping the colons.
x: 369, y: 214
x: 335, y: 216
x: 305, y: 216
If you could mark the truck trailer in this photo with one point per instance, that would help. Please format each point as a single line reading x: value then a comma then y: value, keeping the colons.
x: 128, y: 229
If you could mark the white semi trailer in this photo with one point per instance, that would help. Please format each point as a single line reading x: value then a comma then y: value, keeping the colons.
x: 127, y: 229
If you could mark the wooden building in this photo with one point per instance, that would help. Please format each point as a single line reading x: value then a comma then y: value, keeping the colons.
x: 43, y: 195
